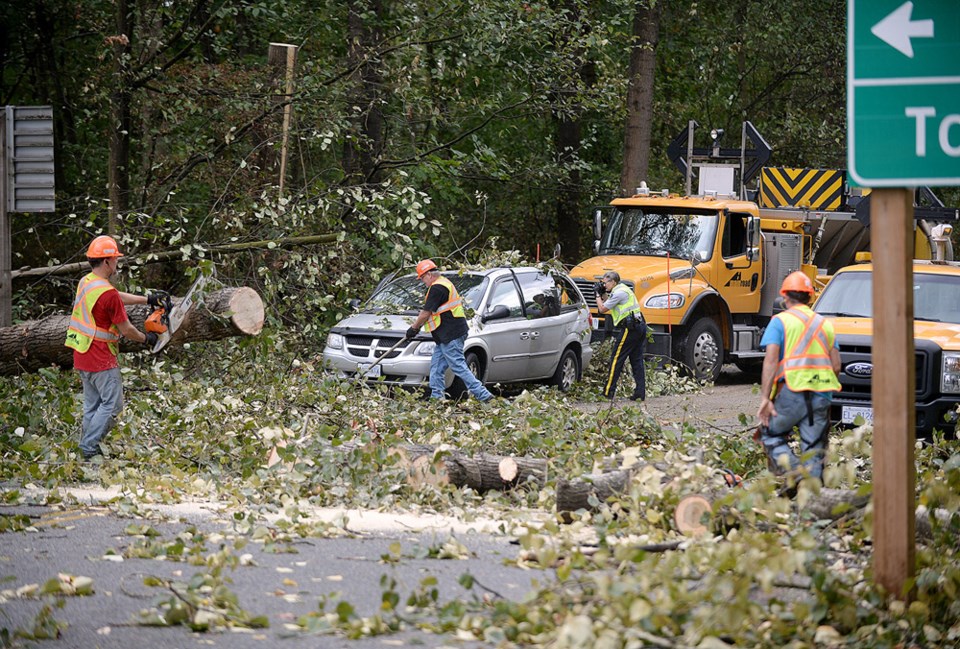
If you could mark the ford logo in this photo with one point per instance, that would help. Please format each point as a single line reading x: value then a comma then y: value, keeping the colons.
x: 861, y: 370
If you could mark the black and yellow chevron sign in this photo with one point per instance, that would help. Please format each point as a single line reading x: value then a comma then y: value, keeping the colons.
x: 821, y: 189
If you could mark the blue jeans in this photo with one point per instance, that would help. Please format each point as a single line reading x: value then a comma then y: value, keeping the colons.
x: 102, y: 402
x: 791, y: 410
x: 451, y: 355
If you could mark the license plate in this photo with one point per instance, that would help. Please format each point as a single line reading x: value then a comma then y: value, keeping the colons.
x: 369, y: 372
x: 597, y: 320
x: 848, y: 414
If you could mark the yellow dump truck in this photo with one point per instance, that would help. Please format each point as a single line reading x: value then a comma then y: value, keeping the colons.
x: 706, y: 268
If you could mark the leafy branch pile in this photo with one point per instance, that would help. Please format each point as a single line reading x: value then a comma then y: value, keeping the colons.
x: 201, y: 424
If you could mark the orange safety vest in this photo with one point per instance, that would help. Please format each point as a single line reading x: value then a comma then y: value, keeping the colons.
x: 807, y: 338
x: 454, y: 304
x: 83, y: 329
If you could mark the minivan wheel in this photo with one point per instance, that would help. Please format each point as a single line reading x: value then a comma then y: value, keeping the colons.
x: 458, y: 389
x: 567, y: 372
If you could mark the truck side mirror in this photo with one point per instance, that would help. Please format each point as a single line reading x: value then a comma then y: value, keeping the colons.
x: 753, y: 238
x: 597, y: 224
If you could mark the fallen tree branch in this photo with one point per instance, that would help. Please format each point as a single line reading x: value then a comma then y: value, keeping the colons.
x: 166, y: 255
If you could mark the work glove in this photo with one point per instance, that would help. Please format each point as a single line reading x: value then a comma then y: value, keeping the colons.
x: 151, y: 339
x: 412, y: 333
x: 157, y: 299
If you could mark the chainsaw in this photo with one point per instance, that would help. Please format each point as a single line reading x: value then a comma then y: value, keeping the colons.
x: 168, y: 317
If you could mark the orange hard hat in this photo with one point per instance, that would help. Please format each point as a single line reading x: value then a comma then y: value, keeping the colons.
x: 425, y: 266
x: 102, y: 247
x: 796, y: 281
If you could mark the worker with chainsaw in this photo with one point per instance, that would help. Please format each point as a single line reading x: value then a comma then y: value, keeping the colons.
x: 446, y: 321
x: 98, y: 320
x: 630, y: 333
x: 799, y: 378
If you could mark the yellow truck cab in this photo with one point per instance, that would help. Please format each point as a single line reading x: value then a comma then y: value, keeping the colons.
x: 847, y: 301
x: 707, y: 268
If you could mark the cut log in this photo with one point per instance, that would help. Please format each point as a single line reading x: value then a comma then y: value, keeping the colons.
x: 39, y: 343
x: 689, y: 515
x: 426, y: 464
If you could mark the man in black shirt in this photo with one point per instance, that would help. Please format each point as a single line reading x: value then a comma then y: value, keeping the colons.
x: 446, y: 321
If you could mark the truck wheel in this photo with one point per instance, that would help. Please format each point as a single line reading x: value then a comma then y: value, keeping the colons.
x: 702, y: 350
x: 568, y: 369
x: 457, y: 389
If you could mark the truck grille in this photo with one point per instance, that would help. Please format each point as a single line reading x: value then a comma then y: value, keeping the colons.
x: 855, y: 387
x: 373, y: 347
x: 586, y: 287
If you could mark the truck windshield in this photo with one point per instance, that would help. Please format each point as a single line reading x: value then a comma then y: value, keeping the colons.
x: 406, y: 293
x: 935, y: 297
x: 656, y: 232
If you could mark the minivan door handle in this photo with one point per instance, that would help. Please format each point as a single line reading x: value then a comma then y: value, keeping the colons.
x: 534, y: 334
x: 524, y: 335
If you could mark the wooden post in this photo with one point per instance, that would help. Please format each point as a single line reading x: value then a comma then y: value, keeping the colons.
x: 284, y: 54
x: 894, y: 373
x: 6, y: 245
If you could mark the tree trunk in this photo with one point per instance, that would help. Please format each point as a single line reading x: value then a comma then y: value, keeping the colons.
x: 118, y: 166
x: 363, y: 148
x: 643, y: 61
x: 39, y: 343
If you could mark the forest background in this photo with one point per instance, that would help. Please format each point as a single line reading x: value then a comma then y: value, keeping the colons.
x: 417, y: 128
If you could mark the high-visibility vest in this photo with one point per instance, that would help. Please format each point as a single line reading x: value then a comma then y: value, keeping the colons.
x: 623, y: 309
x: 454, y: 304
x: 83, y: 328
x: 807, y: 339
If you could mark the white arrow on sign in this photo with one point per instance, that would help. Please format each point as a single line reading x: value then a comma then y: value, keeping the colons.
x: 897, y: 29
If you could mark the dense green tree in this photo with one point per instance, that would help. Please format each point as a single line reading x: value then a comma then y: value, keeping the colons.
x: 505, y: 118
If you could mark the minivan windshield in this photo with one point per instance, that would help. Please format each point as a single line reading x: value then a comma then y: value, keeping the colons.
x: 936, y: 298
x: 406, y: 293
x: 660, y: 231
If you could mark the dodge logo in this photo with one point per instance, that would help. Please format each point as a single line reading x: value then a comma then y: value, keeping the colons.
x: 860, y: 370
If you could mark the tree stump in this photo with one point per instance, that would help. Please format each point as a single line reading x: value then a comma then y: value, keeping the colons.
x: 39, y: 343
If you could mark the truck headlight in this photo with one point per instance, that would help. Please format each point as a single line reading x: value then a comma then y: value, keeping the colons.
x: 334, y: 341
x: 665, y: 301
x: 425, y: 349
x: 950, y: 380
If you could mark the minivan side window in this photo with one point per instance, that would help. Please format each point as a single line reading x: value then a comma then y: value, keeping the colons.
x: 541, y: 295
x: 505, y: 293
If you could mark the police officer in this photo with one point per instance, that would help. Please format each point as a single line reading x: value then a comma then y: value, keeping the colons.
x: 630, y: 334
x: 799, y: 378
x: 446, y: 321
x: 98, y: 320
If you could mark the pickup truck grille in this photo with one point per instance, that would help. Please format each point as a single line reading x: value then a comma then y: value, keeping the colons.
x: 373, y: 347
x: 860, y: 352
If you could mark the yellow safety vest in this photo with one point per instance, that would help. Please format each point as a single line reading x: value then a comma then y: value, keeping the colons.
x: 807, y: 339
x: 453, y: 304
x: 83, y: 328
x: 622, y: 310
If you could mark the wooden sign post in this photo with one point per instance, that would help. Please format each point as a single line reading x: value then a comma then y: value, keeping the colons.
x: 894, y: 381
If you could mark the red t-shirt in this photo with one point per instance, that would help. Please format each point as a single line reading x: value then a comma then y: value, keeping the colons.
x: 107, y: 311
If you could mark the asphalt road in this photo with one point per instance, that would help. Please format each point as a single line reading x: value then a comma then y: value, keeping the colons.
x: 281, y: 585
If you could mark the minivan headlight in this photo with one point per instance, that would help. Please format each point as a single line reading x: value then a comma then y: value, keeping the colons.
x: 950, y: 379
x: 334, y: 341
x: 425, y: 348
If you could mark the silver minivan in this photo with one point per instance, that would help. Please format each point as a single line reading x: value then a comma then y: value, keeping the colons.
x: 525, y: 324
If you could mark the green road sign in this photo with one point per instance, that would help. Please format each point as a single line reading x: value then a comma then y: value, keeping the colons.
x: 903, y: 92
